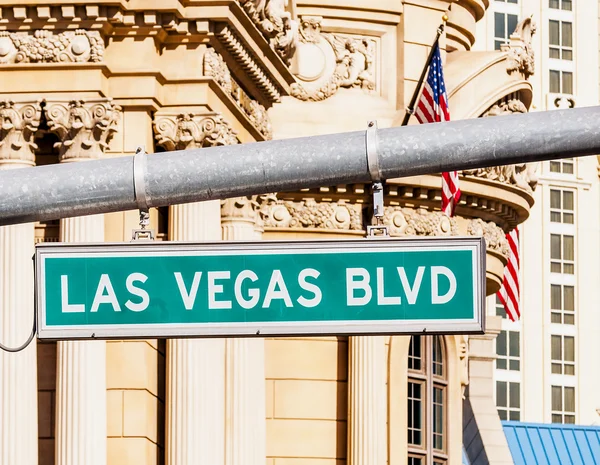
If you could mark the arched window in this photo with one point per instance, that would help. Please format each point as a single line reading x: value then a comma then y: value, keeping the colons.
x: 427, y: 401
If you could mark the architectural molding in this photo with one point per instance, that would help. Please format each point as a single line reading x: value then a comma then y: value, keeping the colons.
x: 275, y: 23
x: 521, y: 56
x: 84, y: 127
x: 312, y: 214
x: 43, y: 46
x: 247, y: 62
x: 214, y: 66
x: 183, y: 131
x: 20, y: 121
x: 495, y: 237
x: 403, y: 221
x: 329, y: 61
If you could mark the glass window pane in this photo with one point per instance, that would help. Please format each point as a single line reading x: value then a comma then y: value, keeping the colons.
x: 567, y: 34
x: 555, y: 297
x: 568, y: 165
x: 557, y: 368
x: 567, y: 5
x: 515, y: 397
x: 501, y: 343
x: 555, y: 217
x: 567, y: 54
x: 555, y: 318
x: 569, y: 319
x: 567, y: 88
x: 570, y: 419
x: 501, y: 364
x: 555, y: 246
x: 555, y: 199
x: 438, y: 358
x: 514, y: 365
x: 568, y: 203
x: 570, y: 370
x: 501, y: 394
x: 568, y: 218
x: 500, y: 25
x: 568, y: 248
x: 553, y: 4
x: 515, y: 415
x: 569, y: 399
x: 555, y: 53
x: 414, y: 353
x: 556, y: 418
x: 555, y: 83
x: 569, y: 292
x: 511, y: 24
x: 514, y: 345
x: 557, y: 398
x: 502, y: 414
x: 554, y: 31
x: 415, y: 461
x: 556, y: 348
x: 569, y: 349
x: 498, y: 44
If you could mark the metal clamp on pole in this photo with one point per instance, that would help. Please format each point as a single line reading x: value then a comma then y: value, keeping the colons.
x: 372, y: 143
x: 141, y: 197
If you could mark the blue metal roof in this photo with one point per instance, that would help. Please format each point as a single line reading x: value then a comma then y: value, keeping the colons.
x: 555, y: 444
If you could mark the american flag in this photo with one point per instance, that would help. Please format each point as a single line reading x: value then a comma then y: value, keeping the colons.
x: 509, y: 292
x: 433, y: 108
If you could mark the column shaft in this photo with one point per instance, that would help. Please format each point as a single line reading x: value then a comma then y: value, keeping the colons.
x: 18, y: 371
x: 195, y: 367
x: 81, y: 377
x: 366, y: 401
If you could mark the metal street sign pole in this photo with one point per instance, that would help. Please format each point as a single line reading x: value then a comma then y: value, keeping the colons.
x: 124, y: 183
x: 263, y: 288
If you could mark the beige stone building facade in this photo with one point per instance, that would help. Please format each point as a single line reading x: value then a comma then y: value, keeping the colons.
x: 81, y: 81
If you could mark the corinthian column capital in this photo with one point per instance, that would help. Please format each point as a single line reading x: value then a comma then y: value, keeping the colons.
x: 84, y: 127
x: 183, y: 131
x: 19, y: 123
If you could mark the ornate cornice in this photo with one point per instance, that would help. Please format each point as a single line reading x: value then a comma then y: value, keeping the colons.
x: 183, y: 131
x: 248, y: 62
x: 84, y: 127
x: 404, y: 221
x: 214, y: 66
x: 312, y: 214
x: 20, y: 121
x: 44, y: 46
x: 495, y: 237
x: 348, y: 62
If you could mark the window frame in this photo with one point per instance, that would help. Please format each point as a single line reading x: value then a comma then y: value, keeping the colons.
x: 562, y: 313
x: 500, y: 40
x: 562, y: 263
x: 562, y: 413
x: 561, y: 363
x: 562, y: 49
x: 561, y: 212
x: 561, y: 81
x: 506, y: 334
x: 508, y: 409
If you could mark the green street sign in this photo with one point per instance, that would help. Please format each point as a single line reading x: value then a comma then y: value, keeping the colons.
x: 174, y: 289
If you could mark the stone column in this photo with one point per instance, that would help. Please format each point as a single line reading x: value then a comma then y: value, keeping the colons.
x: 195, y: 423
x: 84, y: 128
x: 245, y: 434
x: 18, y: 371
x: 366, y: 401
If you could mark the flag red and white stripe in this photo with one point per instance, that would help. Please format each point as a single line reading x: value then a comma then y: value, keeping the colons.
x: 509, y: 292
x: 433, y: 108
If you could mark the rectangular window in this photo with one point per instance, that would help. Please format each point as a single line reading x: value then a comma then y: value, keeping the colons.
x: 561, y: 40
x: 565, y: 166
x: 562, y: 304
x: 561, y: 82
x: 562, y: 206
x: 563, y: 404
x: 504, y: 25
x: 415, y: 414
x: 563, y: 355
x: 508, y: 350
x: 508, y: 400
x: 438, y: 418
x: 562, y: 254
x: 566, y: 5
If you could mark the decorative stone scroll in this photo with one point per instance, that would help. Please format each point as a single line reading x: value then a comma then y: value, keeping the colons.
x: 404, y: 221
x: 20, y: 121
x: 521, y: 175
x: 276, y: 24
x: 214, y: 66
x: 84, y: 127
x: 521, y: 57
x: 328, y: 61
x: 312, y: 214
x: 44, y: 46
x: 494, y: 236
x: 188, y: 131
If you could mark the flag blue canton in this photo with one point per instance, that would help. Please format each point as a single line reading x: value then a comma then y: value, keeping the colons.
x: 435, y: 78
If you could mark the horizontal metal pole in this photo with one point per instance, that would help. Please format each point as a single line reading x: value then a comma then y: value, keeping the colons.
x: 107, y: 185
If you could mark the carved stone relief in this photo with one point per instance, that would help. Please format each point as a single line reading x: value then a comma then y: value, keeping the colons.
x: 188, y: 131
x: 521, y: 57
x: 47, y: 47
x: 494, y: 236
x: 312, y: 214
x: 521, y: 175
x: 326, y: 62
x: 214, y: 66
x: 276, y: 24
x: 84, y: 127
x: 404, y: 221
x: 19, y: 121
